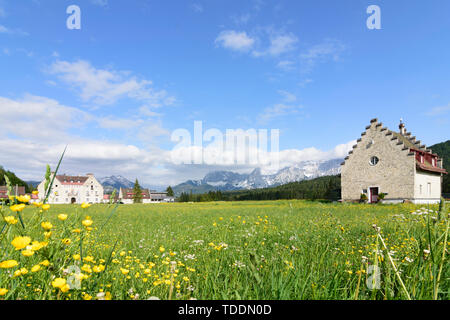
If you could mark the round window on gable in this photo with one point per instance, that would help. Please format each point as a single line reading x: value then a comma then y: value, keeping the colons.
x: 374, y: 160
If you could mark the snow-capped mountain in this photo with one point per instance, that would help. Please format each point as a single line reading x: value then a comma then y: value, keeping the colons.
x: 115, y: 182
x: 227, y: 180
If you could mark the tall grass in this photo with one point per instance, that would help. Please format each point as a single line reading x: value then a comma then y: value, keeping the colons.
x: 239, y: 250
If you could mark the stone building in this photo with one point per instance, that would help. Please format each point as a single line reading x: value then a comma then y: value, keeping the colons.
x: 393, y: 163
x: 73, y: 189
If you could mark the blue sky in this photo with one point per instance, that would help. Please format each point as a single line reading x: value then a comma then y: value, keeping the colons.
x: 138, y: 70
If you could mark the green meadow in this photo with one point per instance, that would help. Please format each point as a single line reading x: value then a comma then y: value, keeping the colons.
x: 225, y: 250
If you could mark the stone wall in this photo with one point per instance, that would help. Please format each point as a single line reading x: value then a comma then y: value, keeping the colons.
x: 393, y: 174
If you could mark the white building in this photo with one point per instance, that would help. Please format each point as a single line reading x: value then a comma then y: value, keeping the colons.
x: 148, y: 196
x: 73, y: 189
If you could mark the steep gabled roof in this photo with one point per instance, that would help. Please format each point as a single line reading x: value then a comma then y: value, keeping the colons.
x: 71, y: 180
x: 406, y: 142
x: 129, y: 193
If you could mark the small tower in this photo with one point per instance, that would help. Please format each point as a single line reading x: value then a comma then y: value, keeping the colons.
x: 402, y: 128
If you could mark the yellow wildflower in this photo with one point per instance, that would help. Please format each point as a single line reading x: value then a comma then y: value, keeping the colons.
x: 3, y: 291
x: 88, y: 258
x: 64, y: 288
x: 10, y: 220
x: 58, y: 282
x: 87, y: 296
x: 36, y: 245
x: 86, y: 268
x: 46, y: 225
x: 45, y: 207
x: 24, y: 199
x: 45, y: 263
x: 21, y: 242
x: 36, y: 268
x: 87, y: 222
x: 8, y: 264
x: 27, y: 252
x: 85, y: 205
x: 99, y: 268
x: 62, y: 216
x: 17, y: 207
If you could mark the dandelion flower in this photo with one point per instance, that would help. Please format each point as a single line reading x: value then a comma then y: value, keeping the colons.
x: 3, y: 291
x: 62, y: 216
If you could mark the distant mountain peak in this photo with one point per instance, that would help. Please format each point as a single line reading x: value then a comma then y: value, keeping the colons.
x: 228, y: 180
x: 115, y: 182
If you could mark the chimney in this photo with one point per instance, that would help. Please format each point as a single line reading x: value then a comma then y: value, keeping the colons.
x: 402, y: 128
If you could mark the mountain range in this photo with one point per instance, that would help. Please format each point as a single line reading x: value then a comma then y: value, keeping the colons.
x: 115, y: 182
x: 228, y: 180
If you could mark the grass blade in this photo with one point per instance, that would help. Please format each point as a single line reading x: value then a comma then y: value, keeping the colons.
x: 47, y: 193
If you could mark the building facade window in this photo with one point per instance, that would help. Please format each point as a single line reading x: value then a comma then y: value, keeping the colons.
x: 374, y: 161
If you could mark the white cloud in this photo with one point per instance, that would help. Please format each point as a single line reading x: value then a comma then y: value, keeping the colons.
x: 217, y: 157
x: 279, y: 44
x: 287, y: 96
x: 279, y: 110
x: 145, y: 111
x: 286, y: 107
x: 105, y: 87
x: 36, y: 129
x: 234, y: 40
x: 286, y: 65
x: 38, y: 117
x: 6, y: 30
x: 436, y: 111
x: 119, y: 123
x: 197, y: 7
x: 330, y: 49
